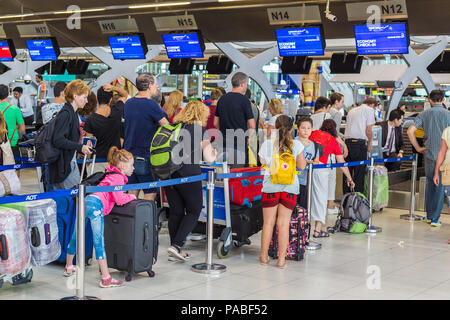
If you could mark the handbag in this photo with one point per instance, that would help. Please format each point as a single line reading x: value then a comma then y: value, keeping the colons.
x: 445, y: 171
x: 9, y: 183
x: 7, y: 153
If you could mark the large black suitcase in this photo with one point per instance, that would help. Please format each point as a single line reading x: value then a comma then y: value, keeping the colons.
x: 131, y: 237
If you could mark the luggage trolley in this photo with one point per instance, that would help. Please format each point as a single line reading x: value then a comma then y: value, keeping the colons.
x: 222, y: 214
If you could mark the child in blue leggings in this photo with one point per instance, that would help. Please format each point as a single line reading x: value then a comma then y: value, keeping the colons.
x: 100, y: 204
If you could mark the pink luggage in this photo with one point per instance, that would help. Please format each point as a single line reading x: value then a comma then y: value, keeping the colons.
x: 14, y: 244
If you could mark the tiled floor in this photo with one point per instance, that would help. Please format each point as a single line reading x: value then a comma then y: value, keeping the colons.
x: 411, y: 258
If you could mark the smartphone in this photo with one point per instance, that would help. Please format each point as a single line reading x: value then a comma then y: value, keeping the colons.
x: 91, y: 139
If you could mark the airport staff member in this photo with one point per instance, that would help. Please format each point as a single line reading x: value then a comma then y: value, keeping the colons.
x: 25, y: 105
x: 358, y: 138
x: 392, y: 138
x: 434, y: 121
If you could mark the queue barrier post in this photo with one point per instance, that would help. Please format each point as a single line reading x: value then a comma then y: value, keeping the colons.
x: 412, y: 216
x: 371, y: 228
x: 81, y: 217
x: 310, y: 245
x: 208, y: 267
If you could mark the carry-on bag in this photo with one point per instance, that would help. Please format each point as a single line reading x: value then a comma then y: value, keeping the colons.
x: 298, y: 236
x: 66, y: 213
x: 380, y: 194
x: 354, y: 214
x: 14, y: 244
x: 131, y: 237
x: 42, y: 228
x: 245, y: 191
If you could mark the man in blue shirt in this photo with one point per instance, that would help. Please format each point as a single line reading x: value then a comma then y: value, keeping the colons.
x: 433, y: 121
x: 142, y: 117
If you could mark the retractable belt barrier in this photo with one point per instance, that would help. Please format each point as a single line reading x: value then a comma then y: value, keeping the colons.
x: 208, y: 267
x: 80, y: 161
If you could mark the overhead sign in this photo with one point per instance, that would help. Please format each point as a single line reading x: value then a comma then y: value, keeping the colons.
x: 33, y: 30
x: 118, y: 25
x: 392, y: 9
x: 174, y: 23
x: 2, y: 32
x: 290, y: 15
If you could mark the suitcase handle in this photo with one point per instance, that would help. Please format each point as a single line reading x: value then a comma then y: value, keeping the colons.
x: 35, y: 237
x: 146, y: 237
x: 48, y: 237
x: 3, y: 247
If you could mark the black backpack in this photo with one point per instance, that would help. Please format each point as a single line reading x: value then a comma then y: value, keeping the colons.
x: 95, y: 178
x: 46, y: 152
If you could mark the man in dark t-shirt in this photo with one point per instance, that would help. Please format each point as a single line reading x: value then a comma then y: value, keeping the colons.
x: 104, y: 124
x: 234, y: 112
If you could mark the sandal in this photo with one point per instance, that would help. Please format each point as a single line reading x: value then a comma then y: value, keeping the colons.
x: 175, y: 252
x: 283, y: 265
x: 321, y: 234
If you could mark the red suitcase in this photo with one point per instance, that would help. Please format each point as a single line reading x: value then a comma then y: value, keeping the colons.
x: 245, y: 191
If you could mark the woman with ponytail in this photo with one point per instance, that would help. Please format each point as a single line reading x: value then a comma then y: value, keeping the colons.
x: 100, y: 204
x: 280, y: 194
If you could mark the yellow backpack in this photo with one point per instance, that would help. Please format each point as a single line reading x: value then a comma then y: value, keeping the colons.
x: 283, y: 168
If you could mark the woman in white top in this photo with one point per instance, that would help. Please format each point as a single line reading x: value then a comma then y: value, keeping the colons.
x: 276, y: 110
x: 278, y: 200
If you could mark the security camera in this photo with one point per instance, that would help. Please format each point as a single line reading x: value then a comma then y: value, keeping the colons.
x: 330, y: 16
x: 27, y: 79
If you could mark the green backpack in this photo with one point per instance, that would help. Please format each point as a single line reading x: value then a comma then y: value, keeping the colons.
x: 161, y: 157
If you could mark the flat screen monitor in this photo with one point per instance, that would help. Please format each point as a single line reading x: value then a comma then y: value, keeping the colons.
x: 301, y: 41
x: 43, y: 49
x: 421, y: 92
x: 388, y: 38
x: 128, y: 47
x: 7, y: 50
x: 184, y: 45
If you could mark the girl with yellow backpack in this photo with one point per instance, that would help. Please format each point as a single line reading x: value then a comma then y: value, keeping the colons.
x: 281, y: 157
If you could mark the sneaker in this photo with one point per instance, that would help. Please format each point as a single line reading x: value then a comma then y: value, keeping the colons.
x: 436, y: 223
x: 69, y: 271
x: 427, y: 221
x: 196, y: 237
x: 110, y: 282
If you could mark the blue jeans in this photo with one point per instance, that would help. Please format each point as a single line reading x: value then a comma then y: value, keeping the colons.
x: 434, y: 196
x: 94, y: 214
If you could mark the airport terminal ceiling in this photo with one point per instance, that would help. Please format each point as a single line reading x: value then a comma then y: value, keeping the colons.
x: 218, y: 21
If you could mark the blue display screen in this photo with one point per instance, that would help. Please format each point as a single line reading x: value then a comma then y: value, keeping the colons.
x: 126, y: 47
x: 185, y: 45
x: 300, y: 42
x: 382, y: 39
x: 41, y: 50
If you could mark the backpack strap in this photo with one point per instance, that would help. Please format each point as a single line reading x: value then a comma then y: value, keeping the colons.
x: 3, y: 112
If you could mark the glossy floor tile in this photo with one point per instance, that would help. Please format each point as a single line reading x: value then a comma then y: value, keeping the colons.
x: 407, y: 260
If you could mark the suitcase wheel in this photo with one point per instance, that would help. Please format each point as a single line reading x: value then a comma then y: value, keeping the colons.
x: 151, y: 274
x: 128, y: 277
x: 222, y: 251
x: 239, y: 244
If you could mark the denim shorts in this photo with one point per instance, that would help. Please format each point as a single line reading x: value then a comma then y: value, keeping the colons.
x: 142, y: 173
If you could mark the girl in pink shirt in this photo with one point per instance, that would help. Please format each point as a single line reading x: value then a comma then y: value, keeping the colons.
x: 98, y: 205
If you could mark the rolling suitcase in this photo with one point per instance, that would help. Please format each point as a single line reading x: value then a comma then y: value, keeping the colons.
x: 245, y: 191
x: 246, y: 221
x: 42, y: 229
x: 66, y: 215
x: 14, y: 247
x: 298, y: 236
x: 380, y: 195
x: 131, y: 237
